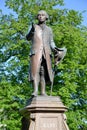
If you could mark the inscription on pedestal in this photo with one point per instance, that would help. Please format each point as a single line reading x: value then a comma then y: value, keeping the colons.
x: 48, y: 123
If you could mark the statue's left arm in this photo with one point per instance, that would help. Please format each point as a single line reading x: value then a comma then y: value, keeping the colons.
x: 52, y: 44
x: 59, y: 53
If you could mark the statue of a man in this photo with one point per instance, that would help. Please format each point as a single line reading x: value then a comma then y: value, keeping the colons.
x: 40, y: 55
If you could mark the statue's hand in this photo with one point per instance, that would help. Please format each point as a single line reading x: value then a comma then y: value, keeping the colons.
x: 33, y: 28
x: 59, y: 54
x: 55, y: 51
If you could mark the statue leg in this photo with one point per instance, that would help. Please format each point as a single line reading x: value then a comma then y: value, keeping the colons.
x: 35, y: 85
x: 42, y: 81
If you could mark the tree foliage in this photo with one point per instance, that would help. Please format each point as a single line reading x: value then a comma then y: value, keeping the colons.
x: 70, y: 81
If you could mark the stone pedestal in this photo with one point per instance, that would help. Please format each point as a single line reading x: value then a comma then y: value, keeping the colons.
x: 44, y: 113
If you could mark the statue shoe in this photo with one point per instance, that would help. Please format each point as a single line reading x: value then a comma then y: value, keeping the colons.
x: 35, y: 94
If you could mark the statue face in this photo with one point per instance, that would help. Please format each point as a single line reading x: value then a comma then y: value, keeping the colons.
x: 41, y: 16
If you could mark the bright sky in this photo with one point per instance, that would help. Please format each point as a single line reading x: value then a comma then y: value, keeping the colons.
x: 78, y: 5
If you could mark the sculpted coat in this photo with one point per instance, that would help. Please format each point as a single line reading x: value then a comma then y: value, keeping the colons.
x: 42, y: 44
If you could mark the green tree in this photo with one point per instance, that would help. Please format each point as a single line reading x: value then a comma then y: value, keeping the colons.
x: 71, y: 75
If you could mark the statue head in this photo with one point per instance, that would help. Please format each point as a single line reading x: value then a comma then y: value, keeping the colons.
x: 42, y: 15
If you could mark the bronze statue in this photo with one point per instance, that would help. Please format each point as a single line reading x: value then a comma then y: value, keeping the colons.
x: 41, y: 53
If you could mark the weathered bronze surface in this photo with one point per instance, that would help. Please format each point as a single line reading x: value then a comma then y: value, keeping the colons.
x: 43, y: 112
x: 41, y: 53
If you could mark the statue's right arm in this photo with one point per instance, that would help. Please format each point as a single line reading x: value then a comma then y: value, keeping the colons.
x: 31, y: 33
